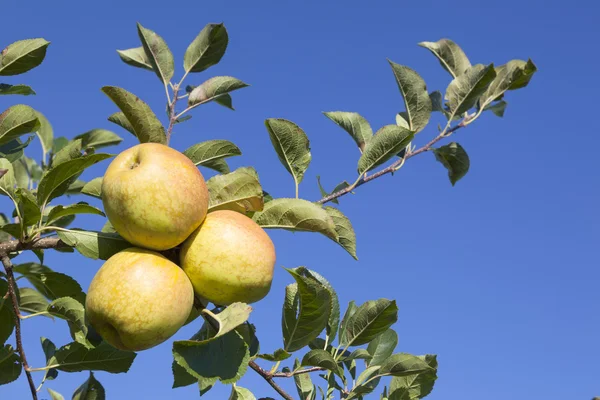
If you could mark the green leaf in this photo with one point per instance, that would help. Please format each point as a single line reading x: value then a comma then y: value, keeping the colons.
x: 79, y: 208
x: 451, y: 56
x: 135, y: 57
x: 306, y: 311
x: 296, y: 215
x: 91, y: 389
x: 306, y: 389
x: 93, y: 188
x: 99, y: 138
x: 513, y: 75
x: 358, y: 354
x: 70, y: 152
x: 225, y: 101
x: 350, y: 310
x: 382, y: 346
x: 29, y: 209
x: 213, y: 88
x: 22, y: 56
x: 370, y: 320
x: 45, y: 133
x: 354, y: 124
x: 231, y: 317
x: 180, y: 376
x: 366, y: 382
x: 207, y: 48
x: 157, y: 53
x: 464, y: 91
x: 120, y: 119
x: 13, y: 150
x: 206, y: 153
x: 239, y: 191
x: 51, y: 284
x: 10, y: 365
x: 32, y: 301
x: 49, y: 350
x: 278, y: 355
x: 7, y: 180
x: 386, y: 143
x: 7, y: 322
x: 75, y: 357
x: 455, y: 159
x: 240, y: 393
x: 16, y: 121
x: 205, y: 384
x: 71, y: 310
x: 58, y: 179
x: 92, y: 244
x: 55, y: 395
x: 343, y: 227
x: 401, y: 120
x: 224, y: 357
x: 292, y: 146
x: 334, y: 315
x: 108, y: 228
x: 403, y: 364
x: 497, y: 108
x: 415, y: 96
x: 416, y: 386
x: 143, y: 121
x: 24, y: 90
x: 321, y: 358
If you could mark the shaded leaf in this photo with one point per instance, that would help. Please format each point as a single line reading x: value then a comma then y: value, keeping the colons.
x: 497, y: 108
x: 366, y: 382
x: 321, y: 358
x: 143, y: 121
x: 296, y: 215
x: 6, y: 89
x: 416, y: 99
x: 51, y: 284
x: 58, y: 179
x: 370, y: 320
x: 92, y: 244
x: 91, y: 389
x: 306, y: 311
x: 45, y: 133
x: 72, y: 311
x: 32, y: 301
x: 75, y: 357
x: 10, y: 365
x: 93, y: 188
x: 306, y: 389
x: 22, y: 56
x: 386, y: 143
x: 382, y: 346
x: 239, y: 191
x: 455, y: 159
x: 135, y: 57
x: 157, y: 53
x: 354, y: 124
x: 278, y: 355
x: 16, y: 121
x: 292, y: 146
x: 464, y: 91
x: 225, y: 101
x: 120, y: 119
x: 416, y: 386
x: 206, y: 49
x: 213, y: 88
x: 13, y: 150
x: 403, y: 364
x: 451, y: 56
x: 7, y: 322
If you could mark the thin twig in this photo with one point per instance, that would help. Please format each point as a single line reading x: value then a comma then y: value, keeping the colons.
x: 299, y: 372
x: 17, y: 317
x: 391, y: 168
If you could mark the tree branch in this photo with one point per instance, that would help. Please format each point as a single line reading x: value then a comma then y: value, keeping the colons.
x: 392, y: 167
x: 299, y: 372
x: 17, y: 317
x: 13, y: 246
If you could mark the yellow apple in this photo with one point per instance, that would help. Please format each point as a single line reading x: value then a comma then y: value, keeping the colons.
x: 138, y: 299
x: 154, y: 196
x: 229, y: 258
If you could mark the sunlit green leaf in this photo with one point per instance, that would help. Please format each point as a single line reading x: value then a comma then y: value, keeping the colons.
x: 240, y: 393
x: 91, y: 389
x: 143, y: 121
x: 382, y: 346
x: 135, y: 57
x: 72, y: 311
x: 93, y: 188
x: 79, y: 208
x: 278, y: 355
x: 32, y: 301
x: 157, y: 53
x: 6, y: 89
x: 51, y: 284
x: 415, y: 386
x: 120, y: 119
x: 75, y: 357
x: 513, y: 75
x: 368, y: 321
x: 99, y: 138
x: 23, y: 55
x: 94, y: 245
x: 343, y: 227
x: 16, y: 121
x: 292, y: 146
x: 205, y: 153
x: 353, y: 123
x: 464, y: 91
x: 415, y: 96
x: 213, y: 88
x: 206, y: 49
x: 386, y: 143
x: 239, y: 191
x: 451, y: 56
x: 55, y: 395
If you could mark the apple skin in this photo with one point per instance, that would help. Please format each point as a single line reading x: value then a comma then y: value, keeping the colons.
x: 154, y: 196
x: 229, y: 258
x: 138, y: 299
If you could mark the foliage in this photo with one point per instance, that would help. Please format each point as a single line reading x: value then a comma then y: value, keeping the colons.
x: 354, y: 351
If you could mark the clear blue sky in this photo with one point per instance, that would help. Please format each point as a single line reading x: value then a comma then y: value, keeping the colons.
x: 498, y: 275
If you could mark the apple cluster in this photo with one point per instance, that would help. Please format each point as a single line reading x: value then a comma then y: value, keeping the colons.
x: 157, y: 199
